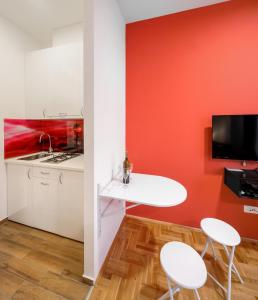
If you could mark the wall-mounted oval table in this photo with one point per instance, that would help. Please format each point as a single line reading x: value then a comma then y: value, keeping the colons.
x: 145, y: 189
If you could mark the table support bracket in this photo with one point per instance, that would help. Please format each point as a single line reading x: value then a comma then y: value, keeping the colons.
x: 103, y: 213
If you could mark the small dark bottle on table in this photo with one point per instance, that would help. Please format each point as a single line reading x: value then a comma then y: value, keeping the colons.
x: 126, y: 169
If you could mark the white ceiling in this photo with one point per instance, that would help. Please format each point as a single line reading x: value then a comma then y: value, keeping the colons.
x: 40, y: 17
x: 135, y: 10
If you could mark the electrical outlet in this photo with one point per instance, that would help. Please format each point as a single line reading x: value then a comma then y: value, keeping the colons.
x: 251, y: 209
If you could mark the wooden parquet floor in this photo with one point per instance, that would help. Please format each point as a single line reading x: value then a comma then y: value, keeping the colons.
x: 36, y: 265
x: 132, y: 270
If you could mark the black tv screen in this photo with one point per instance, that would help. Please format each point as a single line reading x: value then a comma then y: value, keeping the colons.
x: 235, y: 137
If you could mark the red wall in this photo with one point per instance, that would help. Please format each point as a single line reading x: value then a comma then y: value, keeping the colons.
x: 182, y: 69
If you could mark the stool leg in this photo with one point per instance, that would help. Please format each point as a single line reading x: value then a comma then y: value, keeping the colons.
x: 233, y: 266
x: 231, y: 256
x: 197, y: 295
x: 170, y: 289
x: 213, y: 249
x: 238, y: 275
x: 209, y: 241
x: 165, y: 296
x: 205, y: 248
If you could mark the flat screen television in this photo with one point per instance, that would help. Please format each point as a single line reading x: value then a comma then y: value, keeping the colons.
x: 235, y: 137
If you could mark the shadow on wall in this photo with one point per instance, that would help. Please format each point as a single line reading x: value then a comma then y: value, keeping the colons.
x: 210, y: 166
x: 21, y: 137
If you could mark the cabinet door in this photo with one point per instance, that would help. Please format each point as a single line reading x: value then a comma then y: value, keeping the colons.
x: 71, y: 205
x: 65, y: 79
x: 45, y: 204
x: 37, y: 71
x: 19, y: 200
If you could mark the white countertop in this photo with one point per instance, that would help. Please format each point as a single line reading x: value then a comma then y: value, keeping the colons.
x: 73, y: 164
x: 148, y: 190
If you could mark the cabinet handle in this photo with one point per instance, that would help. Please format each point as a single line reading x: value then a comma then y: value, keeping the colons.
x: 62, y: 114
x: 82, y: 112
x: 61, y: 178
x: 44, y: 113
x: 44, y: 183
x: 44, y: 173
x: 28, y: 174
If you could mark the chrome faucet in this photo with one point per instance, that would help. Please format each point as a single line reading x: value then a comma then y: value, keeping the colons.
x: 50, y: 149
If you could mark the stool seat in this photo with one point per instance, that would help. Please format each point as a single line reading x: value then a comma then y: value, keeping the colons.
x: 183, y: 265
x: 221, y: 232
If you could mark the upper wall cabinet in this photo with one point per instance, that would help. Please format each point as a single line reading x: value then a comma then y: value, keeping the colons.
x: 54, y: 82
x: 37, y: 70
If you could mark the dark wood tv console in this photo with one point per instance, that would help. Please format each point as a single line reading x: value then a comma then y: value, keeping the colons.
x: 242, y: 182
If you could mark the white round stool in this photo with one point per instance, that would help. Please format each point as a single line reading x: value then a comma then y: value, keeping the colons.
x: 184, y: 267
x: 224, y: 234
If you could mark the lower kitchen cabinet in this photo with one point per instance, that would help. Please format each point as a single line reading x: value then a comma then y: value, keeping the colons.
x: 45, y: 204
x: 50, y: 200
x: 20, y: 201
x: 70, y: 195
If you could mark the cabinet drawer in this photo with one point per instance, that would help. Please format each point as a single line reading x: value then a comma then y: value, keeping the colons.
x: 45, y: 173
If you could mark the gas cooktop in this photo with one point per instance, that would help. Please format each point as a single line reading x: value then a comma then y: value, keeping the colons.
x: 58, y: 158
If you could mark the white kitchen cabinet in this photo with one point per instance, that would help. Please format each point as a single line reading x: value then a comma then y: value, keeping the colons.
x: 45, y: 204
x: 37, y: 70
x: 20, y: 204
x: 47, y: 199
x: 66, y: 65
x: 71, y: 205
x: 19, y: 194
x: 54, y: 82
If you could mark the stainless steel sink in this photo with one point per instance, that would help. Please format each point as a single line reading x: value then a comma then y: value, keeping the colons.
x: 35, y: 156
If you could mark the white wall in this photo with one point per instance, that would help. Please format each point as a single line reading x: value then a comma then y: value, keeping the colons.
x: 13, y: 45
x: 105, y: 123
x: 68, y: 34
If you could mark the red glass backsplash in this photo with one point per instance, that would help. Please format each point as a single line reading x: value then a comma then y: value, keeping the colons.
x: 21, y: 137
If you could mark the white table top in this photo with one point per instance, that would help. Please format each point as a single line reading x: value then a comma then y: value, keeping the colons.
x: 148, y: 190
